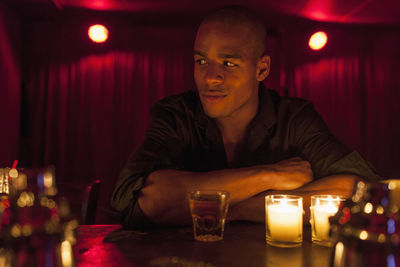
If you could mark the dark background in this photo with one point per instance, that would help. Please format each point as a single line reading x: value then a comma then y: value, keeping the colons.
x: 83, y: 107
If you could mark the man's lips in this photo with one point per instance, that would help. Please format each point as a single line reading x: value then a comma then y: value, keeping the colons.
x: 213, y: 98
x: 213, y: 95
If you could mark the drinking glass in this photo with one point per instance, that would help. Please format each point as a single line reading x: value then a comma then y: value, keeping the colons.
x: 208, y: 209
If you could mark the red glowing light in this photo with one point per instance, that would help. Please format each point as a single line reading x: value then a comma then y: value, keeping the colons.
x: 318, y: 40
x: 98, y: 33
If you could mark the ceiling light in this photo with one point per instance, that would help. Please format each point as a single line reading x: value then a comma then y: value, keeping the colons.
x: 318, y: 40
x: 98, y: 33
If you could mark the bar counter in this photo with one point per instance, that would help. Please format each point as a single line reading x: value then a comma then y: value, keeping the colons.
x: 243, y: 245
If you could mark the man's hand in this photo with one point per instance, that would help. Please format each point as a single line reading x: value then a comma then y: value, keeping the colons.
x: 291, y: 173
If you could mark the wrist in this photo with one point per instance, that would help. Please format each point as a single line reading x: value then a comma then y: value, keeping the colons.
x: 270, y: 177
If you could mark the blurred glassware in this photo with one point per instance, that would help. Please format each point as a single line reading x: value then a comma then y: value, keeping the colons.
x: 37, y: 228
x: 4, y: 185
x: 366, y: 229
x: 394, y: 191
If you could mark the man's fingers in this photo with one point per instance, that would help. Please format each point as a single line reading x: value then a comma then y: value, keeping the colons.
x: 292, y: 173
x: 295, y: 160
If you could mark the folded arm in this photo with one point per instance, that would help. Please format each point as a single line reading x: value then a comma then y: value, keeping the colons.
x: 164, y: 197
x: 253, y: 209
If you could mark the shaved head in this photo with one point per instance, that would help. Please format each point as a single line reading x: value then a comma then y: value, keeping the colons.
x: 244, y: 17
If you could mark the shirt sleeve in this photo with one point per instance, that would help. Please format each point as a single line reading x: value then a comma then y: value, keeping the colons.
x: 327, y: 155
x: 161, y: 149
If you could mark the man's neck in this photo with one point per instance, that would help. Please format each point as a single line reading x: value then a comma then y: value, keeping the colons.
x: 233, y: 130
x: 232, y: 136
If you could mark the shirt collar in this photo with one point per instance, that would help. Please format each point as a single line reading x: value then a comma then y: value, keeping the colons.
x: 266, y: 115
x: 200, y: 117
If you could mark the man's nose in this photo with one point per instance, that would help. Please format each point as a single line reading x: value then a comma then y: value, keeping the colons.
x: 214, y: 75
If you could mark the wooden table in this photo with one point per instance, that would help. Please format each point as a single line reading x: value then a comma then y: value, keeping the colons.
x: 243, y: 245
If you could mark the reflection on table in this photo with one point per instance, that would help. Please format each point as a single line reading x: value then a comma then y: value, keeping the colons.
x: 243, y: 245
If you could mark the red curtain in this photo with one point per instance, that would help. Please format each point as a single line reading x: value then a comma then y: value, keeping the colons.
x: 93, y: 112
x: 86, y: 111
x: 10, y: 87
x: 355, y: 85
x: 382, y: 91
x: 333, y: 86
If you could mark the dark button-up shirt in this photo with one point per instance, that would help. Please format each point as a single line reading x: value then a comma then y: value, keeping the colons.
x: 181, y: 136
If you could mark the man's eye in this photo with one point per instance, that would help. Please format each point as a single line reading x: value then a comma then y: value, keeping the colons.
x: 201, y: 61
x: 229, y: 64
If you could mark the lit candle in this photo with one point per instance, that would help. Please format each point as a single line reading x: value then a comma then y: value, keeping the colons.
x: 321, y: 220
x: 322, y: 207
x: 284, y: 220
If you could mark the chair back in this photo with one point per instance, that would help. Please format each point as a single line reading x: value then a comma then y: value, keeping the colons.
x: 90, y: 200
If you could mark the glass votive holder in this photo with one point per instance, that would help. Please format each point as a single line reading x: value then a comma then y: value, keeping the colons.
x: 284, y: 220
x: 322, y: 207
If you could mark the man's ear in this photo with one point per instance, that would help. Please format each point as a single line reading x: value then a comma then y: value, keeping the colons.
x: 263, y: 67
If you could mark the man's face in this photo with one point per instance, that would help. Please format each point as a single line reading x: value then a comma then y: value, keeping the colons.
x: 225, y: 70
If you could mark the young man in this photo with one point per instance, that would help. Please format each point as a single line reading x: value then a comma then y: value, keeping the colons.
x: 232, y: 134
